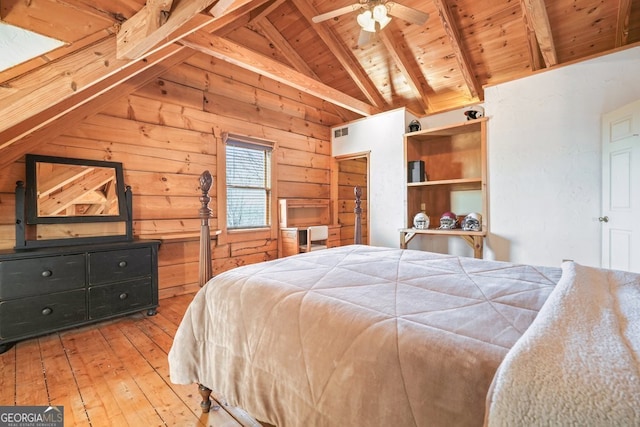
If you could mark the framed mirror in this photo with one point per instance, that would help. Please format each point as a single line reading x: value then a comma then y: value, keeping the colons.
x: 63, y: 190
x: 69, y: 201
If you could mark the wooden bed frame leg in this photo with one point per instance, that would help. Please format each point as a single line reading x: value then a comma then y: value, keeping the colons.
x: 205, y: 392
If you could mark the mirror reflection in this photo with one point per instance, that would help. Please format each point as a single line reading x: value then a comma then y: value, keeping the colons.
x: 65, y: 190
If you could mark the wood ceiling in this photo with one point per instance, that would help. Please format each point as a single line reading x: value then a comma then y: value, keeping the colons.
x: 441, y: 65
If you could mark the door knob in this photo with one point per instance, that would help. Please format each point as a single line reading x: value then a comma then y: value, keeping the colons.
x: 603, y: 219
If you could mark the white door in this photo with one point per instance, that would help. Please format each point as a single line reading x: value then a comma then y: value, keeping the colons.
x: 621, y: 188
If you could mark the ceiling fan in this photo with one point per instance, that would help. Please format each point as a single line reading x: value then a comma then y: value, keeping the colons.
x: 375, y: 16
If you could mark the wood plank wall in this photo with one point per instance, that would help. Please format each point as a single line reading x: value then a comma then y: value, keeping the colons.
x: 352, y: 172
x: 166, y: 134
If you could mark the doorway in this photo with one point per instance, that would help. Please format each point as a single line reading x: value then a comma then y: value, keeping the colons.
x: 352, y: 170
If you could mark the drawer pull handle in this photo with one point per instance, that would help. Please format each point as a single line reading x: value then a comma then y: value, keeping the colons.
x: 47, y: 273
x: 124, y: 296
x: 46, y: 311
x: 122, y: 264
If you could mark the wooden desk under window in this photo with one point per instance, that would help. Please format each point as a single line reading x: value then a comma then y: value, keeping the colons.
x: 295, y: 215
x: 292, y: 237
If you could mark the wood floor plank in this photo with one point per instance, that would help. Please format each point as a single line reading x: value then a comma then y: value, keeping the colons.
x: 174, y: 308
x: 144, y: 336
x: 91, y: 359
x: 30, y: 388
x: 61, y: 384
x: 157, y: 334
x: 168, y: 405
x: 8, y: 377
x: 166, y: 324
x: 134, y: 403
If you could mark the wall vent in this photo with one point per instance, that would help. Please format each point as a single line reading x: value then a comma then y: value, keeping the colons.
x: 340, y: 132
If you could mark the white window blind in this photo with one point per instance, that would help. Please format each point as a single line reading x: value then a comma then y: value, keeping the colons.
x: 248, y: 175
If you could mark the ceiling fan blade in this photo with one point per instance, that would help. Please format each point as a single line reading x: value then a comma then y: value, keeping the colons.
x: 406, y: 13
x: 337, y: 12
x: 364, y: 38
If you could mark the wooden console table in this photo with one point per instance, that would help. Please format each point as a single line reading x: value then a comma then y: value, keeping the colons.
x: 475, y: 239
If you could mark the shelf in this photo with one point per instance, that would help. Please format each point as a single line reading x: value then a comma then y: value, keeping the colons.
x: 475, y: 239
x: 460, y: 128
x: 454, y: 232
x: 303, y: 212
x: 446, y: 182
x: 176, y: 236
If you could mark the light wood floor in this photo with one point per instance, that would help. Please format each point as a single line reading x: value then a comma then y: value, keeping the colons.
x: 113, y: 373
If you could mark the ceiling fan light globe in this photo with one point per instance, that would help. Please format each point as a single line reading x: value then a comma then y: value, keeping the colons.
x: 380, y: 15
x: 384, y: 21
x: 366, y: 21
x: 379, y: 12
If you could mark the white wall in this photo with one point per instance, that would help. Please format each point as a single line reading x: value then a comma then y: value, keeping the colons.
x: 545, y: 158
x: 544, y: 161
x: 382, y: 135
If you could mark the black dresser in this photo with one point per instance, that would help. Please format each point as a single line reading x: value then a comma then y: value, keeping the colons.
x: 49, y: 289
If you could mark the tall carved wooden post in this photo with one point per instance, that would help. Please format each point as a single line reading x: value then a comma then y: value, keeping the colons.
x: 206, y: 269
x: 358, y: 211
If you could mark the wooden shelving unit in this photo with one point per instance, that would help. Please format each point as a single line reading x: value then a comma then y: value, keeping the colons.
x: 455, y: 160
x: 303, y: 212
x: 297, y: 214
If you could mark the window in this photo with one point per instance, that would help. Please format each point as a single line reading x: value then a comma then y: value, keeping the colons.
x: 248, y: 182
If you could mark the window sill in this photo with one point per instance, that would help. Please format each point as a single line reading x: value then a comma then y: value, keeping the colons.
x: 248, y: 230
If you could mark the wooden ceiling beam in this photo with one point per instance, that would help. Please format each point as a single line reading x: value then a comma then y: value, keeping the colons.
x: 134, y: 38
x: 475, y: 89
x: 535, y: 57
x: 264, y: 12
x: 41, y: 89
x: 407, y: 66
x: 23, y: 132
x: 224, y: 7
x: 233, y: 53
x: 235, y: 19
x: 158, y: 11
x: 275, y: 37
x: 535, y: 13
x: 138, y: 34
x: 622, y: 24
x: 36, y: 99
x: 345, y: 58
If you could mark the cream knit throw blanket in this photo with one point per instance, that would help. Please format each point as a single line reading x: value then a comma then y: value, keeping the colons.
x: 579, y: 362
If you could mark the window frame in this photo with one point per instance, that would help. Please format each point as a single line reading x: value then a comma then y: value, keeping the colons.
x: 238, y: 234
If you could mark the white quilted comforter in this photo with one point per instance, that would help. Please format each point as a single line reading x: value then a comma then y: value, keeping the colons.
x: 358, y: 336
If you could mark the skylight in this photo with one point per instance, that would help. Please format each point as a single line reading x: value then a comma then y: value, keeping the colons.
x: 18, y: 45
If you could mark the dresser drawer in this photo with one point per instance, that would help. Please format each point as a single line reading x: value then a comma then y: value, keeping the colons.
x: 41, y: 275
x: 28, y: 316
x: 120, y: 297
x: 115, y: 266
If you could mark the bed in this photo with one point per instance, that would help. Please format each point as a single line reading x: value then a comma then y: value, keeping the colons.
x: 369, y: 336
